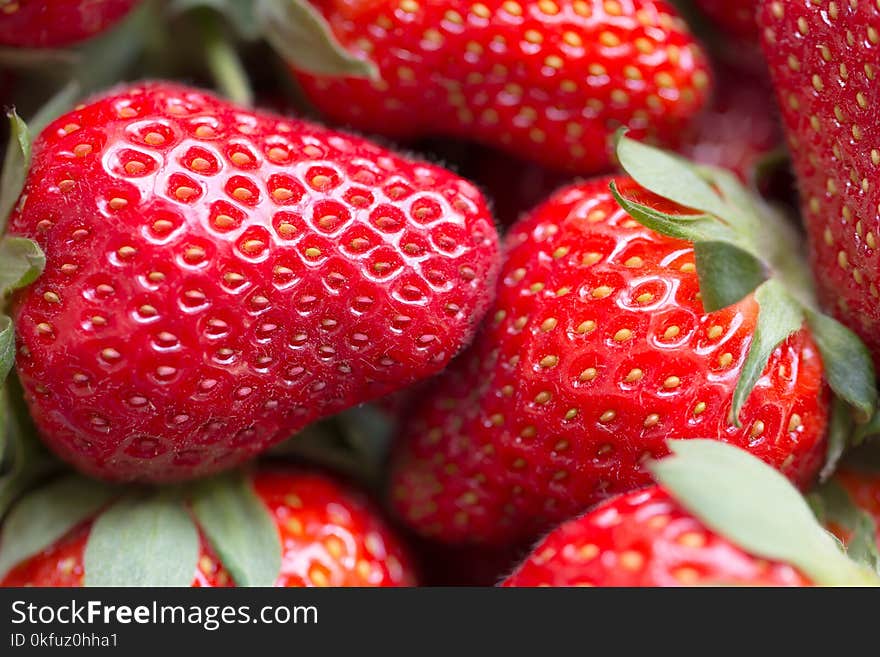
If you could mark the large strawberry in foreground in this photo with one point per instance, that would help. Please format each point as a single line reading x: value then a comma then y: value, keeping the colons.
x: 546, y: 80
x: 276, y: 526
x: 606, y: 338
x: 217, y: 279
x: 824, y: 59
x: 724, y: 520
x: 54, y: 23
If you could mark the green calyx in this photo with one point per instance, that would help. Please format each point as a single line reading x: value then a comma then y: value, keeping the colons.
x: 742, y: 247
x: 295, y: 29
x: 756, y: 508
x: 147, y: 537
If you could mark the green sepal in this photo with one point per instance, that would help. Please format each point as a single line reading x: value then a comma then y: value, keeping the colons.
x: 238, y: 13
x: 833, y: 504
x: 755, y: 507
x: 15, y: 166
x: 240, y: 529
x: 849, y: 368
x: 141, y: 541
x: 727, y: 274
x: 692, y: 228
x: 870, y: 429
x: 840, y: 432
x: 779, y: 316
x: 44, y: 516
x: 7, y: 355
x: 669, y: 176
x: 21, y: 262
x: 302, y: 36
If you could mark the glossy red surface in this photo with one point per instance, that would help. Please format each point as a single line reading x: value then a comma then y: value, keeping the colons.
x: 644, y: 539
x: 596, y: 351
x: 549, y: 81
x: 218, y: 279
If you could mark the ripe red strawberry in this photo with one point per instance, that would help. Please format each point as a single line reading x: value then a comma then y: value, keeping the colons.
x: 330, y: 537
x: 217, y: 279
x: 50, y: 24
x: 597, y: 350
x: 824, y: 62
x: 546, y: 80
x: 734, y: 17
x: 719, y: 516
x: 645, y: 538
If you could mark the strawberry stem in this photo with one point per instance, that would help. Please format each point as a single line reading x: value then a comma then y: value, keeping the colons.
x: 223, y: 61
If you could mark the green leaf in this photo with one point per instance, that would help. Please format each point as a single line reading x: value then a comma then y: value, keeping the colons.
x: 779, y: 316
x: 871, y: 429
x: 21, y: 262
x: 836, y: 506
x: 692, y: 228
x: 849, y: 368
x: 240, y: 529
x: 303, y: 38
x: 840, y: 431
x: 751, y: 504
x: 7, y: 351
x: 46, y: 515
x: 669, y: 176
x: 238, y: 13
x: 727, y: 274
x: 142, y: 542
x: 15, y: 166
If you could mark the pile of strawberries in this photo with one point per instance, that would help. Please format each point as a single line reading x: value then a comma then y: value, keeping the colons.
x: 632, y: 342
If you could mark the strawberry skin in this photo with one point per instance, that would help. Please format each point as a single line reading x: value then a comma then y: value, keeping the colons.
x: 596, y: 351
x: 330, y: 537
x: 824, y: 63
x: 644, y: 538
x: 547, y: 80
x: 218, y: 279
x: 43, y: 24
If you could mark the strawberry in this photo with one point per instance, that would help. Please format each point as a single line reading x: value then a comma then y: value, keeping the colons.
x: 217, y: 279
x: 629, y: 310
x: 596, y: 350
x: 644, y: 538
x: 546, y: 80
x: 719, y: 517
x: 824, y: 60
x: 42, y: 24
x: 733, y: 17
x: 326, y: 534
